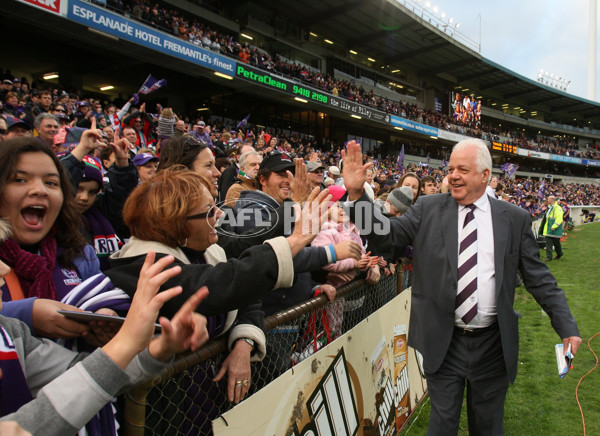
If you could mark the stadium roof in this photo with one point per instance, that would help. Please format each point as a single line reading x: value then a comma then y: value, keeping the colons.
x: 392, y: 34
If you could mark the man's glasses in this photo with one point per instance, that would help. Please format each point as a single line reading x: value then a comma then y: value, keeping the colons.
x: 60, y: 110
x: 209, y: 214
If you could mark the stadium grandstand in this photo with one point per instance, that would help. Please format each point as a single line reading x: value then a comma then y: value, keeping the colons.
x: 304, y: 78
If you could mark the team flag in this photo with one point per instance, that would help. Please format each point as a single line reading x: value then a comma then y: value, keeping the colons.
x: 541, y: 192
x: 400, y: 160
x: 243, y: 122
x: 151, y: 84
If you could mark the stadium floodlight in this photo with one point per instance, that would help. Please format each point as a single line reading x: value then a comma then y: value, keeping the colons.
x: 301, y: 100
x: 246, y: 36
x: 106, y: 88
x: 451, y: 20
x: 443, y: 15
x: 353, y: 52
x: 435, y: 9
x: 427, y: 4
x: 313, y: 34
x: 553, y: 80
x: 328, y: 41
x: 398, y: 128
x: 50, y: 76
x: 371, y: 59
x: 356, y: 116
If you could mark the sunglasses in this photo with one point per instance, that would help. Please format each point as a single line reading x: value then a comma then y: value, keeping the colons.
x: 192, y: 142
x: 209, y: 214
x: 60, y: 110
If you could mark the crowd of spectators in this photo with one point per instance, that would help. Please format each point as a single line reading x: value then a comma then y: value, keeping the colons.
x: 190, y: 28
x: 108, y: 152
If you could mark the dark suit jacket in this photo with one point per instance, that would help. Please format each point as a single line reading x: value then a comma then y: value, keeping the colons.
x: 430, y: 226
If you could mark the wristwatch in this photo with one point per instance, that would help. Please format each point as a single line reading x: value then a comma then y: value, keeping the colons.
x: 248, y: 341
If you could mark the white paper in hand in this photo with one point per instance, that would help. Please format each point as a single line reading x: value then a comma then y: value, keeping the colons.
x: 563, y: 361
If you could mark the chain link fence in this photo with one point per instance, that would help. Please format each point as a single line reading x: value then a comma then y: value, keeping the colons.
x: 184, y: 400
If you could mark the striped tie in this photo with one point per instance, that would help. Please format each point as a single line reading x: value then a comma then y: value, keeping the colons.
x: 466, y: 298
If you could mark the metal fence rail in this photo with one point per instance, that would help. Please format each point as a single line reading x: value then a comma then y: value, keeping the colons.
x: 184, y: 400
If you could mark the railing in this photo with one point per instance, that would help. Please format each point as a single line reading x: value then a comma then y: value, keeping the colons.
x: 184, y: 400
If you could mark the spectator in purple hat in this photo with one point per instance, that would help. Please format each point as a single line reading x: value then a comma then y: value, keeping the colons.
x: 146, y: 165
x: 202, y: 132
x: 82, y: 117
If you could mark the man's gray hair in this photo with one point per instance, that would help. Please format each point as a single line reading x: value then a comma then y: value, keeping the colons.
x: 483, y: 157
x: 38, y: 120
x: 244, y: 157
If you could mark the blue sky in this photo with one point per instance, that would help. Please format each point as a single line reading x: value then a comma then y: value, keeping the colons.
x: 529, y: 35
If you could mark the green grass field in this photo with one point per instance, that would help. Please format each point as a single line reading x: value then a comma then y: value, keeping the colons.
x: 539, y: 402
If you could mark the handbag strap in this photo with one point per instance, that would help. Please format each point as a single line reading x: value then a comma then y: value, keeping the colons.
x: 14, y: 286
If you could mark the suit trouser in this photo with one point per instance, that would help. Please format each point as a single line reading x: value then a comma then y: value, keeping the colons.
x: 477, y: 362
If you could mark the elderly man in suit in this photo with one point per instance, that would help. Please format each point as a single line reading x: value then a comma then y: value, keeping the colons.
x: 467, y: 250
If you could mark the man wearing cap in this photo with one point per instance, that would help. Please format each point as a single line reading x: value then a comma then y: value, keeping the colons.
x: 146, y: 165
x: 334, y: 173
x: 46, y: 126
x: 16, y: 127
x: 6, y: 87
x: 202, y: 133
x: 273, y: 189
x: 83, y: 114
x: 249, y: 165
x: 315, y: 174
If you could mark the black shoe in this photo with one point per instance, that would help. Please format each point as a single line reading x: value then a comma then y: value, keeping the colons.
x: 548, y: 259
x: 558, y: 257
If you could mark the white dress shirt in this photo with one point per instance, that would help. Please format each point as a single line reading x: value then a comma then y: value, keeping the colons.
x: 486, y: 271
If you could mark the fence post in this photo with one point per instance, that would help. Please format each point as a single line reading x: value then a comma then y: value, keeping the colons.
x: 134, y: 416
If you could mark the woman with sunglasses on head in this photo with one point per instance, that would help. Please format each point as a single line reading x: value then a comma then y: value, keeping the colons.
x: 193, y: 154
x: 174, y: 214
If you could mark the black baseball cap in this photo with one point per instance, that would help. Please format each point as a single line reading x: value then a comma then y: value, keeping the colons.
x: 278, y: 161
